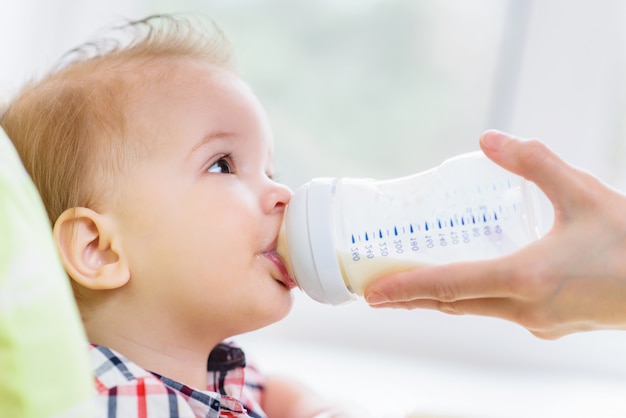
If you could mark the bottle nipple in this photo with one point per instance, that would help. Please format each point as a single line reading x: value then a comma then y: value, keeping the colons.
x: 283, y: 251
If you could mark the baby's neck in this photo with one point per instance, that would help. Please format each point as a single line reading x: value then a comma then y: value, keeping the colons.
x: 155, y: 347
x: 174, y: 362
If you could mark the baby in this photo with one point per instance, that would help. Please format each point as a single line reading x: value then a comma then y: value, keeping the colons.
x: 154, y: 161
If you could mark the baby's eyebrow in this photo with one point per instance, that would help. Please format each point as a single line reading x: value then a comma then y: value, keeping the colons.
x: 210, y: 138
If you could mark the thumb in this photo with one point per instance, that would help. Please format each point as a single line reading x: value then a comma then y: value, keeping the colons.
x: 530, y: 159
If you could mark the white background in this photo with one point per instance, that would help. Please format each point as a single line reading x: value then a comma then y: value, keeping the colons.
x: 549, y: 69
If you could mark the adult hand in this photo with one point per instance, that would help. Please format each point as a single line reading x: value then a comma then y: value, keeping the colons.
x: 573, y: 279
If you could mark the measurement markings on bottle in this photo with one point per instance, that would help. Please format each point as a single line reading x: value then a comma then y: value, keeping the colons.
x: 426, y: 235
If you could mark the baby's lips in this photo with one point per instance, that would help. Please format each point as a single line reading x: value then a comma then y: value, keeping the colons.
x: 286, y: 278
x: 283, y: 251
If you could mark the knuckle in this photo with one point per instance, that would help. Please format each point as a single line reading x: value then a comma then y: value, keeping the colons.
x: 537, y: 321
x: 532, y: 283
x: 534, y: 151
x: 444, y: 291
x: 450, y: 308
x: 529, y: 320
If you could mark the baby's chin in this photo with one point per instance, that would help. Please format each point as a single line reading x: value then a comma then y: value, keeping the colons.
x: 278, y: 309
x: 288, y: 305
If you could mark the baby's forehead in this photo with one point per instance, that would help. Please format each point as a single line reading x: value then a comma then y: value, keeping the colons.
x: 168, y: 93
x: 174, y: 76
x: 150, y: 85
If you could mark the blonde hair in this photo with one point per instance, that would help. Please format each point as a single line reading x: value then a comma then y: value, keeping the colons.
x: 70, y: 128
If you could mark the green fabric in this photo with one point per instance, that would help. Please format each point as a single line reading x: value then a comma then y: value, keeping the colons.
x: 44, y: 370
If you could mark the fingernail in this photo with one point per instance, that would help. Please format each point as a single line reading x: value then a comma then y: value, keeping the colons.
x: 376, y: 298
x: 494, y: 140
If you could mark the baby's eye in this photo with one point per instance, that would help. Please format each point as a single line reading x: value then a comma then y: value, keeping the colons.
x: 222, y: 166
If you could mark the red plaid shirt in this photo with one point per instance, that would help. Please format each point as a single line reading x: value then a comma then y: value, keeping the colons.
x: 125, y: 390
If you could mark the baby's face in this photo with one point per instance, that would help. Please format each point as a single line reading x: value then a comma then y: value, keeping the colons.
x: 199, y: 213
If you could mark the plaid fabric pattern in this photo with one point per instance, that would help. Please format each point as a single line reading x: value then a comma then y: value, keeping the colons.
x: 125, y: 390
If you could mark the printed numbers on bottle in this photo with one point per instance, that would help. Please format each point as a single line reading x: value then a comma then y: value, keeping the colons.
x: 442, y: 240
x: 380, y: 245
x: 383, y: 249
x: 355, y: 254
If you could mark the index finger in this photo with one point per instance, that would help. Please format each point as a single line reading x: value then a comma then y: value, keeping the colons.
x: 445, y: 283
x: 534, y: 161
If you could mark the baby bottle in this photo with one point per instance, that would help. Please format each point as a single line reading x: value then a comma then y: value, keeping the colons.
x: 339, y: 234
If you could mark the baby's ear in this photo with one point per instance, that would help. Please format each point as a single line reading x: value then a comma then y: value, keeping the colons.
x: 86, y: 242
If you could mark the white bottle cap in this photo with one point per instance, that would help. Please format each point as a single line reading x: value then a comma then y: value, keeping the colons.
x: 312, y: 249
